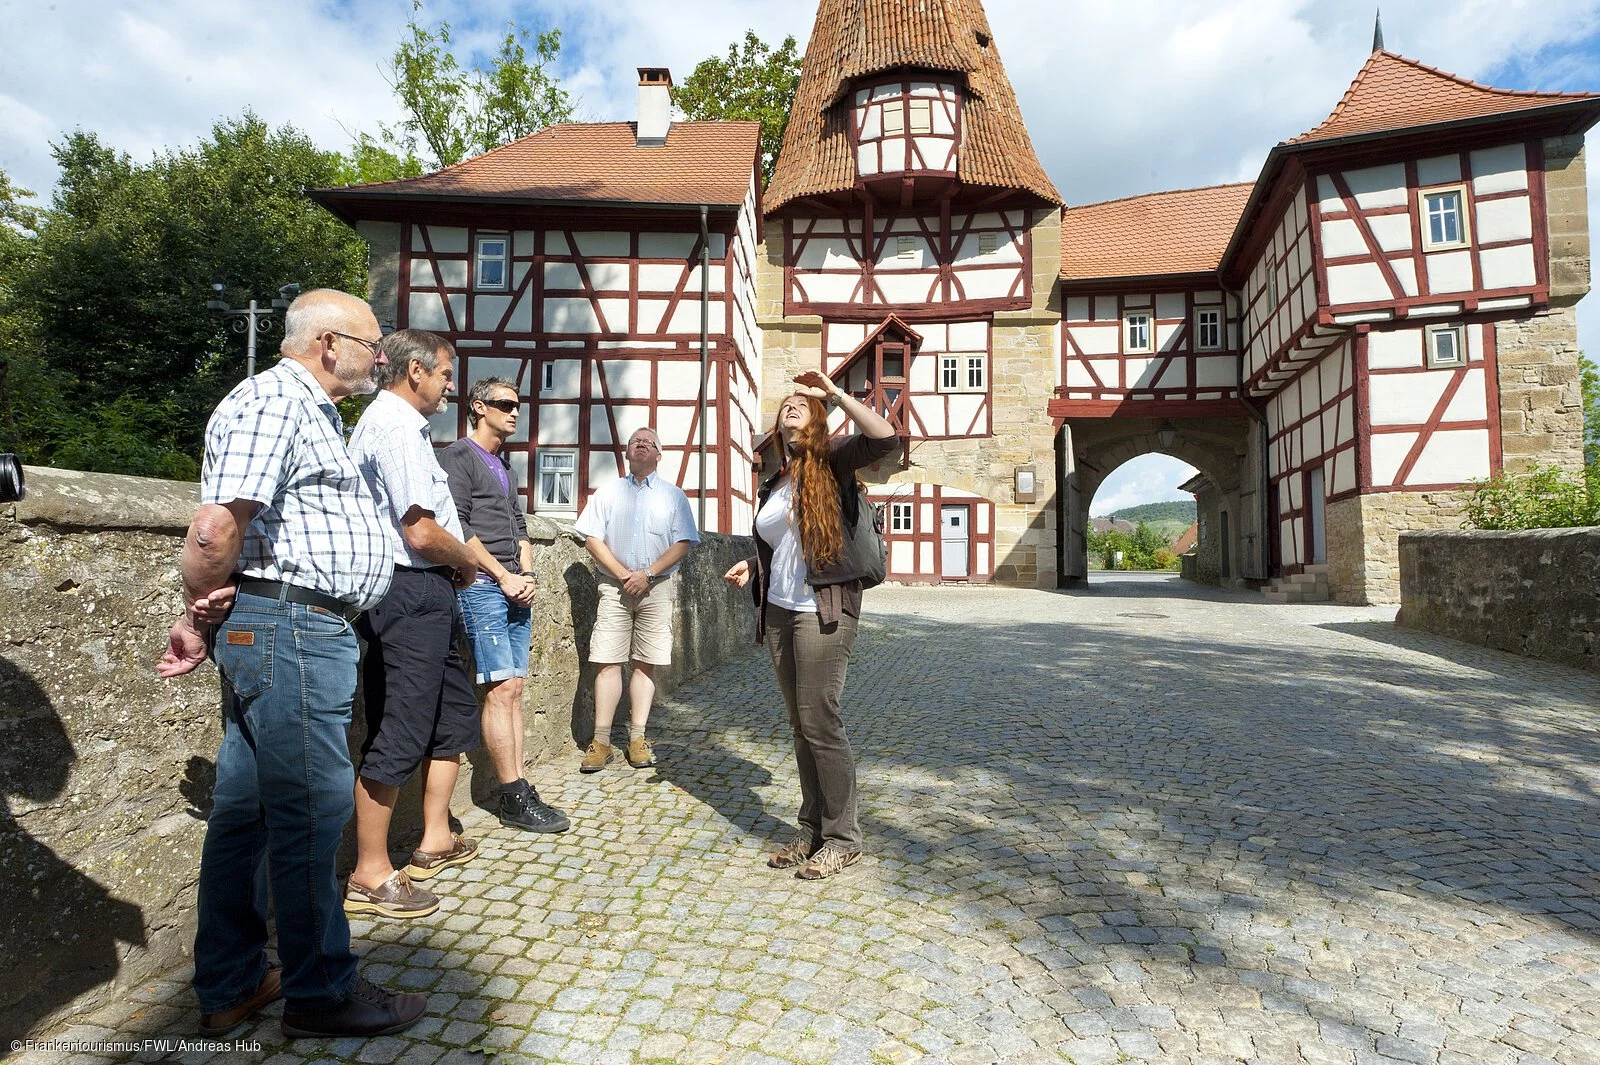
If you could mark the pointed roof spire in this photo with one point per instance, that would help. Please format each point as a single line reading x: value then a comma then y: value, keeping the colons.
x: 856, y: 39
x: 1377, y: 31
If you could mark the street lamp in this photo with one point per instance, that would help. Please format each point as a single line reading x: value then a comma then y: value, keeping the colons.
x: 252, y: 319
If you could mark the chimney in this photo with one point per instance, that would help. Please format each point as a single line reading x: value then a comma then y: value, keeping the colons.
x: 655, y: 106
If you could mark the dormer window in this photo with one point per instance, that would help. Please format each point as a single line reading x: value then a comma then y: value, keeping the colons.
x: 909, y: 125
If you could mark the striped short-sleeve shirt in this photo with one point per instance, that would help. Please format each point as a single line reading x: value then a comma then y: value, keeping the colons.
x: 277, y: 440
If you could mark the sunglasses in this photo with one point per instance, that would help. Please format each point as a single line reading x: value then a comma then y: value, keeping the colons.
x: 504, y: 406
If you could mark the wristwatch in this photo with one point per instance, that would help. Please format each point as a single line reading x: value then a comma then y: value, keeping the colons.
x: 649, y: 578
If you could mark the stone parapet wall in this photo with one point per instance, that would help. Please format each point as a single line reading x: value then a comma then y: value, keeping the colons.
x: 106, y: 771
x: 1532, y: 593
x: 1364, y: 540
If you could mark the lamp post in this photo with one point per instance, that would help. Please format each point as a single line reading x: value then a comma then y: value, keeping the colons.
x: 252, y: 319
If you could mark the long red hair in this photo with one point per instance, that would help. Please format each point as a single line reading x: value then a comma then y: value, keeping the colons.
x: 816, y: 493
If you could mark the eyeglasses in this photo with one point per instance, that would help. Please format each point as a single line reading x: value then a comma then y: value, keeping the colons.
x: 370, y: 345
x: 504, y: 406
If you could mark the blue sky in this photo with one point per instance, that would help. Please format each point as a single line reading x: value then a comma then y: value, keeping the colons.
x: 1164, y: 93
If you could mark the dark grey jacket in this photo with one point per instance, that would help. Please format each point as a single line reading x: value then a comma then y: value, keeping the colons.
x: 486, y: 512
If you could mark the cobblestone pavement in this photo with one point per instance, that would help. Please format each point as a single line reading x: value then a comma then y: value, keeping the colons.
x: 1130, y: 823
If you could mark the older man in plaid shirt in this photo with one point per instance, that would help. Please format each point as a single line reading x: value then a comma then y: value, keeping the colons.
x: 286, y: 549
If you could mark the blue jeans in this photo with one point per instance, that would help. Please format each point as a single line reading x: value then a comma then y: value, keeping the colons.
x: 284, y: 791
x: 499, y: 630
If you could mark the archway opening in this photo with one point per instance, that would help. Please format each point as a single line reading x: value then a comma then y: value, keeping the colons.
x: 1141, y: 519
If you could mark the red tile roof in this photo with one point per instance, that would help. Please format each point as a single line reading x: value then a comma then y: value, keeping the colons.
x: 1183, y: 232
x: 857, y: 38
x: 1394, y: 93
x: 702, y: 162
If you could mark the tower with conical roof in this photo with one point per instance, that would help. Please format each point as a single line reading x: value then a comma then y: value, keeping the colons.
x: 913, y: 241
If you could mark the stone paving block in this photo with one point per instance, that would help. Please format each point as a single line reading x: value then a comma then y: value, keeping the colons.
x: 1202, y: 863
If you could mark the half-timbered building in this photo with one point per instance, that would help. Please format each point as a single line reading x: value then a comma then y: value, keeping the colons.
x: 1340, y: 346
x: 607, y: 269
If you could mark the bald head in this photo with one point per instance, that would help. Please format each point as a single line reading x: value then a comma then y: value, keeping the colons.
x: 320, y: 311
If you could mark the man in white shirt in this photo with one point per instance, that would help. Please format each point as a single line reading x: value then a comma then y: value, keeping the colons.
x: 637, y: 529
x: 421, y: 709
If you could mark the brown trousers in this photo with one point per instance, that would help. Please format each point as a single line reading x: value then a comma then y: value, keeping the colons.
x: 810, y: 660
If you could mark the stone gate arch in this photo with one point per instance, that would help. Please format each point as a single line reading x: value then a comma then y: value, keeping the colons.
x: 1225, y: 450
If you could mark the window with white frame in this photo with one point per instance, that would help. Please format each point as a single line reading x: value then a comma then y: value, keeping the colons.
x: 976, y: 372
x: 493, y: 252
x: 1208, y: 328
x: 949, y: 373
x: 558, y: 479
x: 1444, y: 217
x: 1272, y: 286
x: 900, y: 517
x: 1445, y: 347
x: 1136, y: 331
x: 988, y: 243
x: 547, y: 378
x: 906, y: 247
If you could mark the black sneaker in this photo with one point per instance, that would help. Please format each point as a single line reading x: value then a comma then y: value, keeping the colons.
x: 529, y: 812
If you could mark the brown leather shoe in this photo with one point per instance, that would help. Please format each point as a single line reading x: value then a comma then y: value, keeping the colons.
x: 595, y: 758
x: 641, y: 753
x: 424, y: 865
x: 366, y: 1011
x: 267, y: 992
x: 396, y: 897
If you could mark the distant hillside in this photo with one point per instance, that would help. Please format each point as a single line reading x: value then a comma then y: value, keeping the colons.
x: 1171, y: 510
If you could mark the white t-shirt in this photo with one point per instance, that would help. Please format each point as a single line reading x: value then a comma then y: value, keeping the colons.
x: 777, y: 525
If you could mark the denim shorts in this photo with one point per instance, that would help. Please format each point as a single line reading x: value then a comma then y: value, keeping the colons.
x: 499, y: 632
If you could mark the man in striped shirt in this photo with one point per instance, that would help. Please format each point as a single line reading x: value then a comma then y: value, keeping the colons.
x: 286, y: 549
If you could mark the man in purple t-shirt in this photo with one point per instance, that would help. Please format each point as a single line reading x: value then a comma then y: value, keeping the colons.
x: 495, y: 606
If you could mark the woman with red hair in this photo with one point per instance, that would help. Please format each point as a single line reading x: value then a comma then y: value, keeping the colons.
x: 805, y: 579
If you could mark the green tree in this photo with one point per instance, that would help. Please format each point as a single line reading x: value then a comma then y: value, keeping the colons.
x: 453, y: 111
x: 1589, y: 381
x: 122, y: 265
x: 754, y: 83
x: 30, y: 403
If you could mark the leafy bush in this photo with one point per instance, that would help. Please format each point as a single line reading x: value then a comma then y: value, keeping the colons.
x: 1546, y: 497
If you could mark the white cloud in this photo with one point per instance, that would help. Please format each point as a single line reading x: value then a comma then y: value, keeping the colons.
x: 146, y: 75
x: 1120, y: 98
x: 1147, y: 479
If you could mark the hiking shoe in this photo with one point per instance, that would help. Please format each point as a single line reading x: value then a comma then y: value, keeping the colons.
x: 425, y: 864
x: 641, y: 753
x: 531, y: 813
x: 796, y: 852
x: 595, y: 758
x: 396, y: 897
x: 826, y: 862
x: 367, y: 1010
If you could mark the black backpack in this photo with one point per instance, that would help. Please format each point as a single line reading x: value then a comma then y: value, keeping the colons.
x: 866, y: 534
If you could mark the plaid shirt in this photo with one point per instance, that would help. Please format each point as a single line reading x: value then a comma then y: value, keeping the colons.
x: 277, y: 440
x: 394, y: 451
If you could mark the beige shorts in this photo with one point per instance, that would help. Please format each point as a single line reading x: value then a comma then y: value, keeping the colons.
x: 633, y: 629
